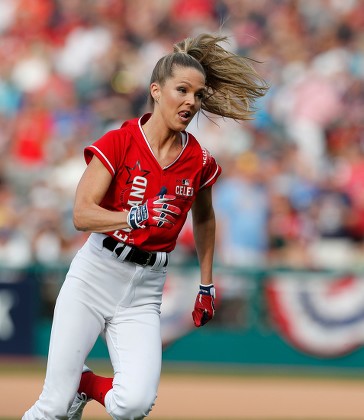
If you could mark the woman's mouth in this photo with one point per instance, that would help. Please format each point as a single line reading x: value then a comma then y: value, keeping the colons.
x: 184, y: 115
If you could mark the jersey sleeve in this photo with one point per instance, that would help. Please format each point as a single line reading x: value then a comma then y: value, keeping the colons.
x: 210, y: 170
x: 108, y: 149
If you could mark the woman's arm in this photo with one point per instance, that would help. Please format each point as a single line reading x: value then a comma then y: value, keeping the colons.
x: 87, y: 214
x: 204, y: 233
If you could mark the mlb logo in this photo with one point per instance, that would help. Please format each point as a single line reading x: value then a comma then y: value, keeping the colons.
x: 185, y: 182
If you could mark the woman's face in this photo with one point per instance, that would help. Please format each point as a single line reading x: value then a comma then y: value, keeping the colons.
x: 180, y: 98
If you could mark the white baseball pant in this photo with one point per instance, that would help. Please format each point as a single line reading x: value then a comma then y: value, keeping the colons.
x: 120, y: 300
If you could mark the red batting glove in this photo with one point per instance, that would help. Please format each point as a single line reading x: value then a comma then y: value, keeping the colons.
x: 155, y: 211
x: 204, y: 306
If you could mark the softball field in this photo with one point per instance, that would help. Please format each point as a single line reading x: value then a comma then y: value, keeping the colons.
x: 208, y: 396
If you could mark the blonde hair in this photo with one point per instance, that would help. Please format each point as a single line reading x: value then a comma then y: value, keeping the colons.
x: 232, y: 83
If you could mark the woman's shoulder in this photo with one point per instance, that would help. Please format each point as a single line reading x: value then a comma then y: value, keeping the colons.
x: 124, y: 131
x: 191, y: 140
x: 195, y: 145
x: 130, y: 124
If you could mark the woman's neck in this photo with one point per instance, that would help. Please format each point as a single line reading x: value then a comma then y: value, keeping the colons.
x: 165, y: 144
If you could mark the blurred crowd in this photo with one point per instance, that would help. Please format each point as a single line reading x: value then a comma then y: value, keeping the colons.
x: 292, y: 189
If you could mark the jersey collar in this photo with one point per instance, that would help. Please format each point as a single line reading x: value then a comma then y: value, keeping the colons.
x: 142, y: 120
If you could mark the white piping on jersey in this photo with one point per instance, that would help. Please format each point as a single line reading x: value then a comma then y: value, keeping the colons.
x: 213, y: 176
x: 185, y: 138
x: 106, y: 159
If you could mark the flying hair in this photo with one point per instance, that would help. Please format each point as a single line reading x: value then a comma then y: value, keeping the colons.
x: 232, y: 83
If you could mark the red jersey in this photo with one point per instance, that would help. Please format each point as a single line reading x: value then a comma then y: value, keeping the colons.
x: 137, y: 176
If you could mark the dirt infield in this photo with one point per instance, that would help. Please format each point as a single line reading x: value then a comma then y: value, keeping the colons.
x: 207, y: 397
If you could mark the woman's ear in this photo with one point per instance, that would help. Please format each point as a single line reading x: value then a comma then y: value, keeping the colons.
x: 155, y: 91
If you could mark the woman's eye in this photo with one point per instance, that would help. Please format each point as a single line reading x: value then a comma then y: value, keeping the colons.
x: 200, y: 95
x: 182, y: 89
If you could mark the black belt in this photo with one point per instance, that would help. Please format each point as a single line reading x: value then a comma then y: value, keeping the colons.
x: 135, y: 255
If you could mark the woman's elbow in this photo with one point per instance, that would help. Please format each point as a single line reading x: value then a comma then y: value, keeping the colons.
x: 78, y: 221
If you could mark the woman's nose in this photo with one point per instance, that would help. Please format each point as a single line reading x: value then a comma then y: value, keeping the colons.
x: 190, y: 99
